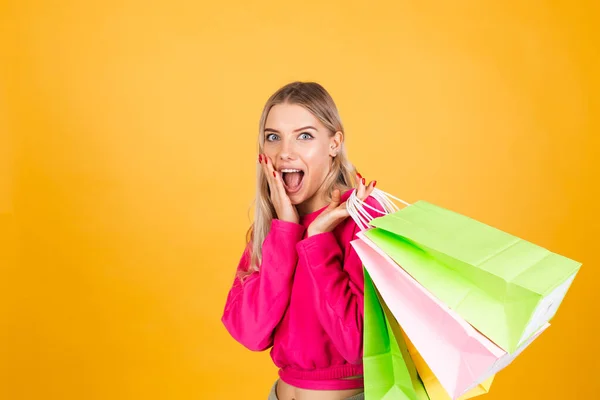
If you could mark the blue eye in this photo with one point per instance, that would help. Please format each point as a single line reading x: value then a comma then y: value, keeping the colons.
x: 271, y: 137
x: 305, y: 136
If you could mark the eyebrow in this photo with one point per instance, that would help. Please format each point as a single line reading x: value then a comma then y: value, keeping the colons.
x: 296, y: 130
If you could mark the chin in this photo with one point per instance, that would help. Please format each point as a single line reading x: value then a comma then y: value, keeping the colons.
x: 296, y: 198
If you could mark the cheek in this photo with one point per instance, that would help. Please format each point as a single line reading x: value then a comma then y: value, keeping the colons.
x: 318, y: 165
x: 270, y: 151
x: 316, y: 159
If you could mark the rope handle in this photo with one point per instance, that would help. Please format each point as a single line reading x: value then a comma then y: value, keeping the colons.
x: 357, y: 207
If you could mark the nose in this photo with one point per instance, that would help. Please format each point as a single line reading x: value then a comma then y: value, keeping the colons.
x: 286, y: 151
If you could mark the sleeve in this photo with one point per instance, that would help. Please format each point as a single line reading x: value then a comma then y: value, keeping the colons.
x: 255, y: 306
x: 337, y: 272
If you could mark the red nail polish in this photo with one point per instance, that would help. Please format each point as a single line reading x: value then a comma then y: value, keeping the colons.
x: 260, y: 158
x: 363, y: 181
x: 359, y: 175
x: 274, y: 174
x: 374, y: 183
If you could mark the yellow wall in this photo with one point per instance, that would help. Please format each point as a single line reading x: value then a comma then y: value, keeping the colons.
x: 126, y: 179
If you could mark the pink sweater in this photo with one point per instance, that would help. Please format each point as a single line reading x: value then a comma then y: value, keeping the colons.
x: 306, y: 301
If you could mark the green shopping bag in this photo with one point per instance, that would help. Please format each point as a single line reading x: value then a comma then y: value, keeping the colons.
x: 504, y: 286
x: 389, y: 372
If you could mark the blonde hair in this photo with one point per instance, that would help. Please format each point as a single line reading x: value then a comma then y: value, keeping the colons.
x: 317, y: 100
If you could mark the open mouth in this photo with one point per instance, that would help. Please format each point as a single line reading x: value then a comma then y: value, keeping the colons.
x: 292, y: 179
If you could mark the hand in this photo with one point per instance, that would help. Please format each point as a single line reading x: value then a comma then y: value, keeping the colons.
x: 284, y: 208
x: 336, y: 212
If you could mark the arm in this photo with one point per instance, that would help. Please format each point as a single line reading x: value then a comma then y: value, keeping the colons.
x: 255, y: 306
x: 337, y: 273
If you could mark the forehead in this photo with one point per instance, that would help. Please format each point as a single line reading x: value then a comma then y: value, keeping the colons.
x: 288, y: 117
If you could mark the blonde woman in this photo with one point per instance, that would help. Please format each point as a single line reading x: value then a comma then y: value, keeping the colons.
x: 299, y: 283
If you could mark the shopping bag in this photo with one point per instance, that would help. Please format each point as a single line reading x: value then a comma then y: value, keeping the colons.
x: 434, y: 388
x: 460, y: 357
x: 388, y: 370
x: 504, y: 286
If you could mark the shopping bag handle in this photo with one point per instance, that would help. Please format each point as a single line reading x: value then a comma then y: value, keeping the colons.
x: 357, y: 211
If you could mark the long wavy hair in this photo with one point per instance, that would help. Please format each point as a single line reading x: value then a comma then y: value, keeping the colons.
x: 317, y: 100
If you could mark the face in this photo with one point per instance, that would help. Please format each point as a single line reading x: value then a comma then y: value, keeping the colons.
x: 302, y: 150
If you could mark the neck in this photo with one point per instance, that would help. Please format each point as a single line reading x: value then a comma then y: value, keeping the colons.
x: 316, y: 202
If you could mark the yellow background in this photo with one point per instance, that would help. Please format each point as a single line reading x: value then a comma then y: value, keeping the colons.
x: 127, y: 159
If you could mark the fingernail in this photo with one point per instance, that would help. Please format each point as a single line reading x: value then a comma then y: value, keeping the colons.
x: 363, y: 181
x: 260, y: 158
x: 274, y: 174
x: 359, y: 175
x: 374, y: 183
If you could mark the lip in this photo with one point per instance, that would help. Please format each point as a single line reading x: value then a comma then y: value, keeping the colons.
x: 282, y: 167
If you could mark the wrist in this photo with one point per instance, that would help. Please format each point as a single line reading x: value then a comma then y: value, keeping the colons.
x: 310, y: 233
x: 290, y: 220
x: 285, y: 221
x: 314, y: 232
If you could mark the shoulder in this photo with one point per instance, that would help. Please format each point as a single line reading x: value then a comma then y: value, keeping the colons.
x: 375, y: 208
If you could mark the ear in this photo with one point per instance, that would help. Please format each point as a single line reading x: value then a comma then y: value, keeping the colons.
x: 335, y: 143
